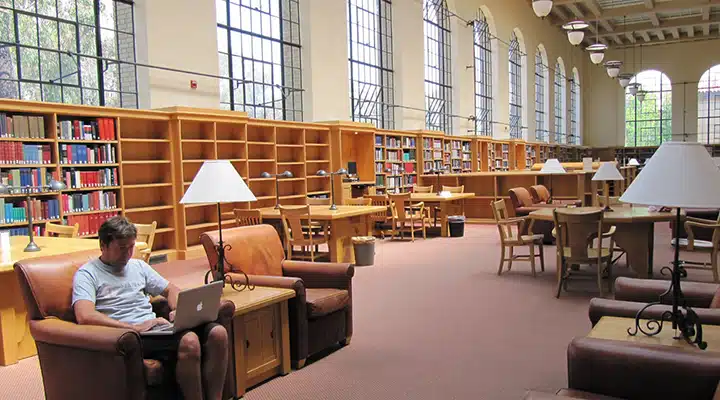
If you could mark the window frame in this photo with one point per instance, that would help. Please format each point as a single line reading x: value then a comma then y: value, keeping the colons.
x: 574, y: 111
x: 438, y: 109
x: 560, y: 110
x: 515, y: 86
x: 541, y: 130
x: 482, y: 68
x: 660, y: 135
x: 711, y: 120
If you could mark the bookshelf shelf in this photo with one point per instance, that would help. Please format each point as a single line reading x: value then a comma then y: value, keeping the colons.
x: 23, y: 223
x: 83, y: 141
x: 143, y: 162
x: 67, y: 214
x: 29, y: 140
x: 136, y: 140
x: 149, y: 208
x: 148, y: 185
x: 87, y: 165
x: 90, y: 188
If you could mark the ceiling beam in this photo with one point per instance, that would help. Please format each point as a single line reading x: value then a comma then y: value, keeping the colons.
x: 654, y: 19
x: 660, y: 34
x: 617, y: 39
x: 607, y: 25
x: 641, y: 9
x: 560, y: 13
x: 705, y: 13
x: 675, y: 32
x: 669, y: 24
x: 576, y: 11
x: 690, y: 30
x: 670, y: 41
x: 630, y: 37
x: 594, y: 7
x: 649, y: 4
x: 645, y: 36
x: 706, y: 30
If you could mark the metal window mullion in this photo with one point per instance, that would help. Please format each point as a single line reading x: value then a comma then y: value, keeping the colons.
x: 18, y: 55
x: 98, y: 51
x: 353, y: 114
x: 78, y: 49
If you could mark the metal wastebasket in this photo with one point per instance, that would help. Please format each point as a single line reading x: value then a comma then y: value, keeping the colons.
x: 456, y: 224
x: 364, y: 247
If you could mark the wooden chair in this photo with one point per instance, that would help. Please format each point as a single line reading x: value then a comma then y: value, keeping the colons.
x: 381, y: 220
x: 422, y: 189
x: 358, y: 201
x: 405, y: 216
x: 295, y: 235
x: 690, y: 223
x: 575, y: 233
x: 454, y: 189
x: 247, y: 217
x: 318, y: 201
x: 510, y: 239
x: 144, y: 241
x: 63, y: 231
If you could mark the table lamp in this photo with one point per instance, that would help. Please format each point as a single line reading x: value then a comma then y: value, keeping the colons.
x: 438, y: 172
x: 54, y: 186
x: 322, y: 172
x: 286, y: 174
x: 607, y: 172
x: 679, y: 175
x: 219, y: 182
x: 633, y: 162
x: 552, y: 166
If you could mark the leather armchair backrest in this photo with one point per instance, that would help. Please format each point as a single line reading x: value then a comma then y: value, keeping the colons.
x: 256, y: 249
x: 539, y: 193
x: 46, y: 283
x: 520, y: 197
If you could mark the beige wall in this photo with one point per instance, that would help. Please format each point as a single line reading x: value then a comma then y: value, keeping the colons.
x: 683, y: 63
x: 182, y: 34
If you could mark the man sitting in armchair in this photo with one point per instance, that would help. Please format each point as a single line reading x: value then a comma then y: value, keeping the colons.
x: 113, y: 290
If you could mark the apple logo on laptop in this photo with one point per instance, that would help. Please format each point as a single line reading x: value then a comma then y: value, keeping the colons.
x: 199, y: 307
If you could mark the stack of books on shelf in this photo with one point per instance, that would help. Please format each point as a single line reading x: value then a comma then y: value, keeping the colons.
x: 15, y: 211
x: 23, y: 177
x: 22, y: 126
x: 97, y: 129
x: 93, y: 201
x: 21, y: 153
x: 90, y: 223
x: 77, y: 179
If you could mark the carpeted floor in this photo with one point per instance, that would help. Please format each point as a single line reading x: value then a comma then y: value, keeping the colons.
x: 432, y: 320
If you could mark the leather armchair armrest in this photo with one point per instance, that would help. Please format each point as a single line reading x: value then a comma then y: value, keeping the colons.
x: 632, y: 370
x: 614, y: 308
x: 86, y: 337
x: 523, y: 211
x: 320, y: 275
x: 284, y: 282
x: 697, y: 294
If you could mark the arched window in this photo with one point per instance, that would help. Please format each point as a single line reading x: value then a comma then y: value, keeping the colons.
x: 574, y: 137
x: 371, y: 67
x: 560, y: 131
x: 648, y: 119
x: 438, y: 89
x: 541, y: 103
x: 259, y: 47
x: 483, y: 76
x: 515, y: 67
x: 709, y: 106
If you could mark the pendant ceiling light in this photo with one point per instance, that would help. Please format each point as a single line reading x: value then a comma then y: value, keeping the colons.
x: 613, y: 68
x: 542, y: 7
x: 597, y: 52
x: 624, y: 79
x: 640, y: 95
x: 575, y: 31
x: 633, y: 88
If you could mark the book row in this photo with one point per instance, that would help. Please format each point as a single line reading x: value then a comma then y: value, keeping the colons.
x: 89, y: 223
x: 22, y: 126
x: 20, y: 178
x: 77, y: 179
x: 93, y: 201
x: 99, y: 129
x: 21, y: 153
x: 87, y: 154
x: 42, y: 210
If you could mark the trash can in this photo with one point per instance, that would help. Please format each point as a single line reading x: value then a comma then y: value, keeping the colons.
x: 456, y: 223
x: 364, y: 247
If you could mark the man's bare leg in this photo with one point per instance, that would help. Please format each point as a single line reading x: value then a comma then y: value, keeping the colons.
x: 187, y: 369
x: 215, y: 362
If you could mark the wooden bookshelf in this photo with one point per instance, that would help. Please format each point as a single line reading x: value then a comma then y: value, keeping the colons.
x: 396, y: 161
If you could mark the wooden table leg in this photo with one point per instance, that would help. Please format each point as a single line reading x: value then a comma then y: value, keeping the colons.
x: 340, y: 243
x: 444, y: 231
x: 285, y: 338
x: 637, y: 240
x: 16, y: 342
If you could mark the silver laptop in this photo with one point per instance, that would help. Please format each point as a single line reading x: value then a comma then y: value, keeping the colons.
x: 195, y: 307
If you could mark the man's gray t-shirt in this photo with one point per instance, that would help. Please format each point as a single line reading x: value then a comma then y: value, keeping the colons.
x: 121, y: 296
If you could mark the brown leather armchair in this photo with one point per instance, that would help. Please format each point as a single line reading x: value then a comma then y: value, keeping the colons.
x: 90, y: 362
x: 523, y: 205
x: 320, y: 313
x: 609, y: 369
x: 633, y: 294
x: 541, y: 195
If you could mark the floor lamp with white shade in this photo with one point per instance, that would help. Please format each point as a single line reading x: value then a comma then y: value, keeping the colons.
x: 552, y: 166
x: 219, y: 182
x: 679, y: 175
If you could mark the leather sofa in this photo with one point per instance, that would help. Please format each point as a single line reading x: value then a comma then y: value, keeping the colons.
x: 609, y: 369
x: 96, y: 362
x: 541, y: 195
x: 522, y: 204
x: 632, y: 294
x: 320, y: 313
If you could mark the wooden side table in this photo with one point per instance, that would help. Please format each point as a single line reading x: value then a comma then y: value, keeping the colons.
x: 261, y: 334
x: 615, y: 328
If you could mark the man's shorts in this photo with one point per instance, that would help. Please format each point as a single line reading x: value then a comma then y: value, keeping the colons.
x: 165, y: 347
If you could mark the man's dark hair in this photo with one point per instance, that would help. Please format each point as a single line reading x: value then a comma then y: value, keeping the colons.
x: 117, y: 227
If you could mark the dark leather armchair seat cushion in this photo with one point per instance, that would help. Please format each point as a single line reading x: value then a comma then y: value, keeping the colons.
x: 321, y: 302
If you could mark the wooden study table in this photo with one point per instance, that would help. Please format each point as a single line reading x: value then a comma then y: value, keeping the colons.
x: 635, y: 231
x: 615, y: 328
x: 15, y: 339
x: 443, y: 202
x: 345, y: 222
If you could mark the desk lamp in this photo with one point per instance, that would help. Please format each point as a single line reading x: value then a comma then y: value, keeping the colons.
x: 286, y: 174
x: 607, y: 172
x: 322, y: 172
x: 552, y: 166
x: 219, y: 182
x: 438, y: 172
x: 679, y: 175
x: 633, y: 162
x: 54, y: 186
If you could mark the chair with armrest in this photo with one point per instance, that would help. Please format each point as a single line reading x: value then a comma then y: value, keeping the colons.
x: 320, y: 314
x: 633, y: 294
x: 381, y: 220
x: 510, y: 239
x: 107, y: 363
x: 541, y: 195
x: 691, y: 226
x: 407, y: 215
x: 145, y: 240
x: 601, y: 369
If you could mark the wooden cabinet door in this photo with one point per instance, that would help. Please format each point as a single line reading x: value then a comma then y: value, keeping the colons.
x: 253, y: 342
x: 263, y: 336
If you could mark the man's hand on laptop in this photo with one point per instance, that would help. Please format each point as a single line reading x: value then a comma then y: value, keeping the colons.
x: 145, y: 326
x: 172, y: 316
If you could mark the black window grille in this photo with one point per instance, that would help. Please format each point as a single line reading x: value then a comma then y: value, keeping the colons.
x: 483, y: 77
x: 438, y: 87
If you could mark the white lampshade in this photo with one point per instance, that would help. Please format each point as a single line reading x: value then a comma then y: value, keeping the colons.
x: 575, y: 37
x: 552, y: 166
x: 613, y: 71
x: 633, y: 88
x: 542, y: 7
x: 640, y: 95
x: 607, y: 172
x: 633, y: 161
x: 624, y: 79
x: 679, y: 174
x: 217, y: 182
x: 597, y: 56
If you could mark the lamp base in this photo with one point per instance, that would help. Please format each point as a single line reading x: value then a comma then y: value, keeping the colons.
x: 607, y: 209
x: 218, y: 273
x: 31, y: 247
x: 333, y: 207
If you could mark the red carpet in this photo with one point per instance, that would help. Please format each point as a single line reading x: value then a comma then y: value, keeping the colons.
x: 434, y: 321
